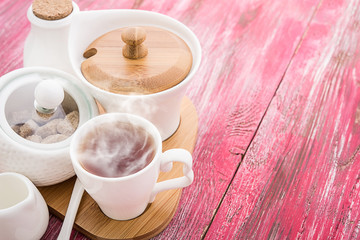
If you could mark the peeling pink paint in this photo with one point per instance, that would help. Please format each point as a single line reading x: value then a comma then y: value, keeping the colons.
x: 277, y: 96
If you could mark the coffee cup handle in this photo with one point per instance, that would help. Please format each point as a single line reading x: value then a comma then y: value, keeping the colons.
x: 167, y: 158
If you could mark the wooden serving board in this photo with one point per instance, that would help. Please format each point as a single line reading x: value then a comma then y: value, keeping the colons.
x: 95, y: 225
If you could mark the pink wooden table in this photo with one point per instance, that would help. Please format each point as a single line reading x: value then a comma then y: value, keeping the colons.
x: 278, y: 99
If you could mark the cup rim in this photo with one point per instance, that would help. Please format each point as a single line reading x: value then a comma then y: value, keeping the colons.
x: 30, y: 194
x: 149, y: 127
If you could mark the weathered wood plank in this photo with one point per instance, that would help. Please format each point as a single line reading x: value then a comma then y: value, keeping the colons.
x: 246, y: 49
x: 300, y: 176
x: 14, y: 29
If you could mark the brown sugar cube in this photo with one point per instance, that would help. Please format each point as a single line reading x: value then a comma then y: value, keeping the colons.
x: 28, y: 128
x: 42, y: 118
x: 73, y: 118
x: 48, y: 129
x: 52, y: 9
x: 34, y: 138
x: 16, y: 128
x: 54, y: 138
x: 25, y: 131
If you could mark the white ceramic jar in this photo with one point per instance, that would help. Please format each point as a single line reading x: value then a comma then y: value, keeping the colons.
x: 43, y: 163
x: 47, y: 43
x: 162, y: 108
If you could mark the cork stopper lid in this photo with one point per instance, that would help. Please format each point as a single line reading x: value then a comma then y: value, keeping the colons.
x: 137, y: 60
x: 52, y: 9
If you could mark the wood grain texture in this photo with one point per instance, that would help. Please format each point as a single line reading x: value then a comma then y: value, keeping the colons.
x: 247, y: 46
x: 300, y: 178
x: 167, y: 63
x: 242, y: 65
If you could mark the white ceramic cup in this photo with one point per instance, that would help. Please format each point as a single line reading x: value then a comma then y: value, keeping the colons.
x: 127, y: 197
x: 23, y: 211
x: 162, y: 108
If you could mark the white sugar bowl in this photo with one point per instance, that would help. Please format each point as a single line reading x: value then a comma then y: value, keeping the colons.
x: 162, y: 108
x: 40, y: 108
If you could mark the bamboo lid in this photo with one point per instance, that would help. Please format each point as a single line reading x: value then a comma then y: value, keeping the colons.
x: 137, y: 60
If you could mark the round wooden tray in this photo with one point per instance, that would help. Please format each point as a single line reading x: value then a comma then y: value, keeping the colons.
x: 94, y: 224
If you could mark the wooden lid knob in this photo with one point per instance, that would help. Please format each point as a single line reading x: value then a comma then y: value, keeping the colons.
x: 134, y: 38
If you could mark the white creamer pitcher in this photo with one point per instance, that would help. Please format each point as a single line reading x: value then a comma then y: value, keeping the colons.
x: 23, y: 211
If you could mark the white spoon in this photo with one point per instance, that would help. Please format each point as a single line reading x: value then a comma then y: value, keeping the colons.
x: 68, y: 223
